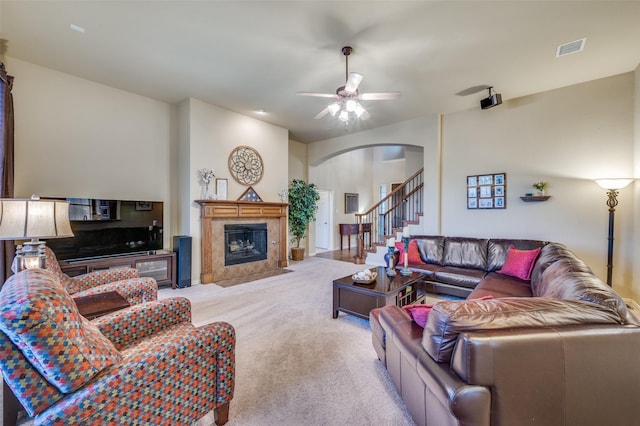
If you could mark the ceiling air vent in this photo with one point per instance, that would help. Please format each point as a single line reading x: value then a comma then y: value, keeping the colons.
x: 571, y: 47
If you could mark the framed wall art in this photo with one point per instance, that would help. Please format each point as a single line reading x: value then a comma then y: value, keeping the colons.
x: 487, y: 191
x: 144, y: 206
x: 246, y: 165
x: 350, y: 202
x: 221, y: 188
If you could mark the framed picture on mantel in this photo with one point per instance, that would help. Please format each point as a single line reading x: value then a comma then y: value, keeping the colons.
x: 221, y: 188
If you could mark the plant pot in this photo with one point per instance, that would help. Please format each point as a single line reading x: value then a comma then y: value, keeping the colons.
x: 297, y: 253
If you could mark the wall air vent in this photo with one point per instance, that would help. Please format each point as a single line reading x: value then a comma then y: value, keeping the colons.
x: 571, y: 47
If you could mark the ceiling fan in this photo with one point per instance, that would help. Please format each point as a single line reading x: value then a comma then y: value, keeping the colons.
x: 346, y: 97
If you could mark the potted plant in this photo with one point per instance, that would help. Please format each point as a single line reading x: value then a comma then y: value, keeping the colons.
x: 303, y: 204
x: 540, y: 187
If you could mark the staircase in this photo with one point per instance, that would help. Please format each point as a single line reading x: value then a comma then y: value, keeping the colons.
x: 402, y: 207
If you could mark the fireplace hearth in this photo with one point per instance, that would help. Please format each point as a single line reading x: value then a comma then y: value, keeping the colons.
x: 245, y: 243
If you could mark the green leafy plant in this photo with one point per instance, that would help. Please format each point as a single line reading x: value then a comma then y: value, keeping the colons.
x: 540, y: 186
x: 303, y: 204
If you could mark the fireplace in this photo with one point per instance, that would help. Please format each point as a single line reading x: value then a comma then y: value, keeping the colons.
x: 215, y: 214
x: 245, y: 243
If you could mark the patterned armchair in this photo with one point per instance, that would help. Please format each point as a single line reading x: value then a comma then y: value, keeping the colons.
x: 126, y: 281
x: 143, y: 365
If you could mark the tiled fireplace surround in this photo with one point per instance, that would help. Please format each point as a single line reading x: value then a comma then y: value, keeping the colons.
x: 214, y: 214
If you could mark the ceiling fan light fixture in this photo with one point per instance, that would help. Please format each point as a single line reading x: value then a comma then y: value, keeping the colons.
x: 351, y: 105
x: 359, y: 110
x: 344, y: 115
x: 334, y: 108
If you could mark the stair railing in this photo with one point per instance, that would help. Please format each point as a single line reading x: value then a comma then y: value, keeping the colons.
x: 390, y: 214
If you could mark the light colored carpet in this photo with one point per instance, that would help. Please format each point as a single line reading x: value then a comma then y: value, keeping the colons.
x: 295, y: 364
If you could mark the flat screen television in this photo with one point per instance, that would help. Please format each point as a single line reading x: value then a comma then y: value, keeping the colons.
x: 105, y: 228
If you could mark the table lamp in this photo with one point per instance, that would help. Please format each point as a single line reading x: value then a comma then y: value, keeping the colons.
x: 33, y: 218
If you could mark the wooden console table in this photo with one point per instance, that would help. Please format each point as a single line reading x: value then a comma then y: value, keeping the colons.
x: 350, y: 229
x: 160, y: 265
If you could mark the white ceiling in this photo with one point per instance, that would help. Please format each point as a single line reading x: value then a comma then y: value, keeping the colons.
x: 250, y: 55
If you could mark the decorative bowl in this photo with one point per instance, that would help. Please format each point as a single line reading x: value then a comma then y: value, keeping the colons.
x: 372, y: 277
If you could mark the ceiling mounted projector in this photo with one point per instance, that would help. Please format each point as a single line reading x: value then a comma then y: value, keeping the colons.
x: 492, y: 100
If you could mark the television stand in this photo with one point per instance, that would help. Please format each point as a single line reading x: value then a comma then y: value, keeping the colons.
x: 161, y: 265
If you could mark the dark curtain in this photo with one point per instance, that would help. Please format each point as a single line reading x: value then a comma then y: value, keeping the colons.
x: 6, y: 162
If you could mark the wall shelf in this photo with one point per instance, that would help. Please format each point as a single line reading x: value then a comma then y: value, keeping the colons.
x: 536, y: 198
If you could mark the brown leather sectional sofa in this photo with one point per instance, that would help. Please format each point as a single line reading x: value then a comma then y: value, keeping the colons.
x: 560, y: 349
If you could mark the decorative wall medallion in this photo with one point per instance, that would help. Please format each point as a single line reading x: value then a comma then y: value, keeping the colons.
x: 245, y: 165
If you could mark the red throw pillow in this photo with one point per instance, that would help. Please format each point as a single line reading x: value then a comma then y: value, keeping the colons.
x: 414, y: 253
x: 419, y: 312
x: 519, y: 263
x: 400, y: 248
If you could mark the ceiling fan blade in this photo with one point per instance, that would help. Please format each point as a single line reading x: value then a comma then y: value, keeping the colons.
x: 382, y: 96
x: 353, y: 82
x: 318, y: 95
x: 321, y: 113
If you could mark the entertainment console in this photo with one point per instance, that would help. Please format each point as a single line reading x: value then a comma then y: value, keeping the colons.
x: 161, y: 265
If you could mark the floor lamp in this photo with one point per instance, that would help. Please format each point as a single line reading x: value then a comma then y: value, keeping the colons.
x: 612, y: 186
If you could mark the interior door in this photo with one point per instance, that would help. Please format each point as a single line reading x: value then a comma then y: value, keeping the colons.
x: 323, y: 221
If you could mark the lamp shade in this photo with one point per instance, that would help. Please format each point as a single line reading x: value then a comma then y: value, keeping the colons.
x: 34, y: 218
x: 617, y: 183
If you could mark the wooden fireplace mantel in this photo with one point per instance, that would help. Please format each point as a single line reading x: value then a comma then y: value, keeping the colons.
x: 211, y: 210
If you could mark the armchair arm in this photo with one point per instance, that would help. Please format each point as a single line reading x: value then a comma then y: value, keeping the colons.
x: 193, y: 366
x: 128, y: 326
x: 96, y: 278
x: 134, y: 290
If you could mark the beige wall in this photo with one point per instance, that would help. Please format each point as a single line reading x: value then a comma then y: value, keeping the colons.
x: 566, y: 137
x: 76, y: 138
x: 298, y: 160
x: 634, y: 249
x: 422, y: 133
x: 213, y: 133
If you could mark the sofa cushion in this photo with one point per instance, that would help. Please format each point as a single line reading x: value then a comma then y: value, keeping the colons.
x: 462, y: 277
x: 400, y: 249
x: 431, y: 249
x: 497, y: 250
x: 519, y: 263
x: 498, y: 285
x: 42, y: 320
x: 414, y: 253
x: 567, y: 280
x: 466, y: 252
x: 447, y: 319
x: 428, y: 269
x: 549, y: 254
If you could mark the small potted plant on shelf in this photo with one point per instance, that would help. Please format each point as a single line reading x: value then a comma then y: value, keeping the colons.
x: 303, y: 204
x: 540, y: 187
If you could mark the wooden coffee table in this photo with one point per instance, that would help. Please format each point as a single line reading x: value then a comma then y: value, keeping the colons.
x: 96, y: 305
x: 359, y: 299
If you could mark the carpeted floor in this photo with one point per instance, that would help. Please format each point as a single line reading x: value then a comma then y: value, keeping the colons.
x: 252, y: 277
x: 295, y: 364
